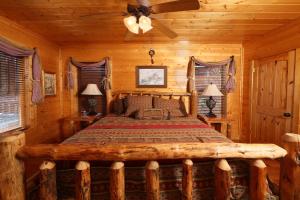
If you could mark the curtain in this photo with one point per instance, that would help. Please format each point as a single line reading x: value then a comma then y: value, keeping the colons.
x: 11, y: 49
x: 230, y: 83
x: 106, y: 80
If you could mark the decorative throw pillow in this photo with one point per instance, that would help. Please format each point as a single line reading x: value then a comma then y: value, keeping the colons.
x: 118, y: 106
x: 171, y: 107
x: 150, y: 114
x: 136, y: 103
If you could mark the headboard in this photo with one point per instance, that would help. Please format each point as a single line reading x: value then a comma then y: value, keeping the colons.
x: 189, y: 99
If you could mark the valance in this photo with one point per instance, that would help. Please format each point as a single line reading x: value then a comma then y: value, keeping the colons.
x: 230, y: 84
x: 11, y: 49
x: 106, y: 82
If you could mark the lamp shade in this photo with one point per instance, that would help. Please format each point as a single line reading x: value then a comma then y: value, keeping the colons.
x: 145, y: 23
x: 91, y: 89
x: 212, y: 90
x: 130, y: 23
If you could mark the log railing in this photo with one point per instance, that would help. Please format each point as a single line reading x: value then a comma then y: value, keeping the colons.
x: 152, y: 153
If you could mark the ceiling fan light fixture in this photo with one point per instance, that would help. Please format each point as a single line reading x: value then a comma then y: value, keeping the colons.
x: 146, y: 29
x: 131, y: 25
x: 145, y: 24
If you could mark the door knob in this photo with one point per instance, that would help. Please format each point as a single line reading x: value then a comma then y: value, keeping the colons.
x: 287, y: 114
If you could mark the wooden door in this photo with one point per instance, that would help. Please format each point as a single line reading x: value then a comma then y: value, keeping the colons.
x: 272, y: 98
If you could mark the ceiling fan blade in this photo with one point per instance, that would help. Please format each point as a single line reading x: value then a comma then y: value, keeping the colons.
x: 164, y: 29
x: 175, y: 6
x: 128, y: 36
x: 143, y: 2
x: 105, y: 15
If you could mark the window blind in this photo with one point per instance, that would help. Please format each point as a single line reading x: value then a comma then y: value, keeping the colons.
x: 88, y: 75
x: 12, y: 92
x: 205, y: 76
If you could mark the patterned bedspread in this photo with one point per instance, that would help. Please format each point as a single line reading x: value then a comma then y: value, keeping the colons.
x: 114, y: 129
x: 126, y: 130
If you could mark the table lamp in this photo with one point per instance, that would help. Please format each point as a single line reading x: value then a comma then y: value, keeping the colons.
x: 92, y: 90
x: 211, y: 91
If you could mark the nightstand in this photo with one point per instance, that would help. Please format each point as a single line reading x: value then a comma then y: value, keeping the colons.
x: 221, y: 124
x: 78, y: 122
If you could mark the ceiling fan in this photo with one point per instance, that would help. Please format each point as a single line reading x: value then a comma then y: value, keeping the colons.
x: 140, y: 17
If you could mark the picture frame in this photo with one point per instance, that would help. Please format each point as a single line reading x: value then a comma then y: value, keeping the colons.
x: 151, y: 76
x: 49, y: 84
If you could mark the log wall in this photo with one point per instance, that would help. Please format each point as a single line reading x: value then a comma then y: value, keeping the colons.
x: 276, y: 42
x: 125, y: 57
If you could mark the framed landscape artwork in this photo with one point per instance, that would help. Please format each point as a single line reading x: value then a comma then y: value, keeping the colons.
x: 49, y: 84
x: 151, y: 76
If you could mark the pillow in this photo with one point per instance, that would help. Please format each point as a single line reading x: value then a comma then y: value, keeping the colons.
x: 151, y: 113
x: 136, y: 103
x: 171, y: 107
x: 118, y: 106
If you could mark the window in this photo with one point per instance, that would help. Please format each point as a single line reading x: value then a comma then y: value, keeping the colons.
x: 12, y: 95
x: 205, y: 76
x: 88, y: 75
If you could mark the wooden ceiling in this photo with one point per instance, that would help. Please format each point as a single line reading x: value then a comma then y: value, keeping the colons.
x: 230, y: 21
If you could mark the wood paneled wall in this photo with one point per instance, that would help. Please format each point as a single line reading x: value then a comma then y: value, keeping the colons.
x: 278, y: 41
x: 125, y: 57
x: 43, y: 120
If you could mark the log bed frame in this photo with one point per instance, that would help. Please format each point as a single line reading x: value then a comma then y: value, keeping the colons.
x: 153, y: 153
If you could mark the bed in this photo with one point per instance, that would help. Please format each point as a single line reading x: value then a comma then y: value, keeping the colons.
x: 119, y: 130
x: 114, y: 129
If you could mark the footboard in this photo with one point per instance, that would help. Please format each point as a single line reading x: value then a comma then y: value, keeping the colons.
x: 153, y: 153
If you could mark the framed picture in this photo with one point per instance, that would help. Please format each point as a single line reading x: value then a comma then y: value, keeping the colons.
x: 49, y: 84
x: 151, y: 76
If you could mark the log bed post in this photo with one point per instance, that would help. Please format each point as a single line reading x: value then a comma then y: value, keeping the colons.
x: 194, y: 104
x: 48, y: 181
x: 258, y: 177
x: 290, y: 168
x: 191, y: 75
x: 11, y: 169
x: 152, y: 180
x: 117, y: 181
x: 83, y: 181
x: 187, y: 180
x: 222, y: 180
x: 191, y: 87
x: 108, y: 86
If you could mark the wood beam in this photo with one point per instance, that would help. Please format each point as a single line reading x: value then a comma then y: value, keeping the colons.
x: 152, y: 180
x: 187, y: 180
x: 290, y: 168
x: 258, y: 178
x: 48, y: 189
x: 222, y: 180
x: 117, y: 152
x: 83, y: 181
x: 11, y: 170
x: 117, y: 181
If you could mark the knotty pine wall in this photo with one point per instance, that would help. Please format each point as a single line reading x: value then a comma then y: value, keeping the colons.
x: 43, y: 121
x: 278, y: 41
x: 44, y: 118
x: 125, y: 57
